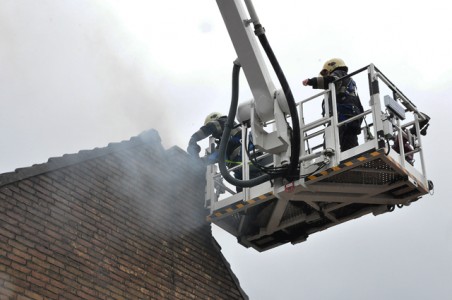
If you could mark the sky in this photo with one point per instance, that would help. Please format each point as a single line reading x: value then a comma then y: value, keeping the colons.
x: 76, y: 75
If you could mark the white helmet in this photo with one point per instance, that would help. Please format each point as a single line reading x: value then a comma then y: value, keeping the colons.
x: 212, y: 117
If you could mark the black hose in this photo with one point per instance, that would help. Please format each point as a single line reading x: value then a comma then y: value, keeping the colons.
x: 389, y: 147
x: 272, y: 171
x: 227, y: 133
x: 293, y: 172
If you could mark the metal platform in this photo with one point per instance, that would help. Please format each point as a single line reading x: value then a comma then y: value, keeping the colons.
x: 370, y: 183
x: 371, y: 178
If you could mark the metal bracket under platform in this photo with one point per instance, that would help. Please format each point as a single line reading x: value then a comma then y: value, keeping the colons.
x: 373, y: 182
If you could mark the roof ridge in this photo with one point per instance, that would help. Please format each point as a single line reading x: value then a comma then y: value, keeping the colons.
x: 146, y: 137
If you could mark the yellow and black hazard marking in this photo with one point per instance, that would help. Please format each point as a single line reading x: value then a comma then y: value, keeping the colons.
x: 345, y: 165
x: 233, y: 208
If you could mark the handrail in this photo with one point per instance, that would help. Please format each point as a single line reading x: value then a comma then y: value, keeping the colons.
x: 352, y: 74
x: 363, y: 114
x: 384, y: 125
x: 317, y: 133
x: 312, y: 97
x: 316, y: 123
x: 410, y: 105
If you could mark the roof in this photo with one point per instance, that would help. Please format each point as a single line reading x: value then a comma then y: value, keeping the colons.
x: 132, y: 210
x: 149, y: 137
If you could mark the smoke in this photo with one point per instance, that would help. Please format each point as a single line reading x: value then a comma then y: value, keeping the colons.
x: 78, y: 75
x: 72, y: 72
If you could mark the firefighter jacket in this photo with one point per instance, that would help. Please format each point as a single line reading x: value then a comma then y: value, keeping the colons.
x: 346, y: 86
x: 215, y: 129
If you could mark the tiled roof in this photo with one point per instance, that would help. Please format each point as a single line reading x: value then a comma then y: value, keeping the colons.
x: 150, y: 137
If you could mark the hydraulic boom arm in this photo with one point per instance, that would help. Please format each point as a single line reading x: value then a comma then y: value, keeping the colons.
x: 268, y: 103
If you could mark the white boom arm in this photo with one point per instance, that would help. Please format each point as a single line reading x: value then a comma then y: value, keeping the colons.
x: 268, y: 104
x: 250, y: 57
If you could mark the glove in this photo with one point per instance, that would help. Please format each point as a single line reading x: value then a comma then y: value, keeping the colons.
x: 210, y: 159
x: 213, y: 158
x: 193, y: 150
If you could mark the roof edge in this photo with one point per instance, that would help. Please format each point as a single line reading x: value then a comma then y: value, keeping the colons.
x: 217, y: 247
x: 150, y: 137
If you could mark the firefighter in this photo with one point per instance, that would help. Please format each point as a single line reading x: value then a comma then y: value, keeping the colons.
x: 347, y: 99
x: 214, y: 126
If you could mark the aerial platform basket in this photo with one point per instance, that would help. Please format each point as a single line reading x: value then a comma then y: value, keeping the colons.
x: 334, y: 186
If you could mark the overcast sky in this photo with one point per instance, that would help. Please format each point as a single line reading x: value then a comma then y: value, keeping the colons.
x: 76, y: 75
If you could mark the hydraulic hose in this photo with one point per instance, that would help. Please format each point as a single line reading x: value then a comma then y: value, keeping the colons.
x: 227, y: 133
x: 293, y: 173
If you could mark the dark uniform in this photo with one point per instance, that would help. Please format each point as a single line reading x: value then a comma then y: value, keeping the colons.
x: 215, y: 128
x: 348, y: 104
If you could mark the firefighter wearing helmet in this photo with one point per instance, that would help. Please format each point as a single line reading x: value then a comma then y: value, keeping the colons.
x: 348, y: 102
x: 332, y: 70
x: 214, y: 126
